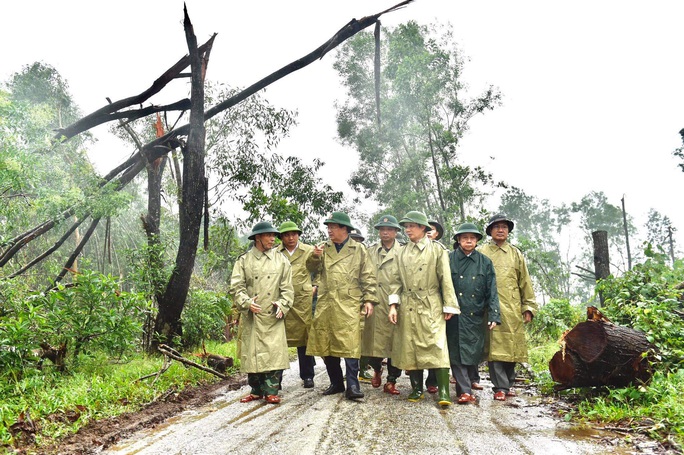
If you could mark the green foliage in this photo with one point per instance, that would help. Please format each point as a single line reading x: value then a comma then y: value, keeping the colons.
x: 204, y: 317
x: 658, y: 407
x: 92, y: 314
x: 408, y: 160
x: 554, y: 318
x: 646, y: 298
x: 95, y: 389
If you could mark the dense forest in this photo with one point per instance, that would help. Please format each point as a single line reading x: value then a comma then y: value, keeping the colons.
x: 113, y: 265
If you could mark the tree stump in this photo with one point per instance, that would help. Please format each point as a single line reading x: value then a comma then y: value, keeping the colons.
x: 599, y: 353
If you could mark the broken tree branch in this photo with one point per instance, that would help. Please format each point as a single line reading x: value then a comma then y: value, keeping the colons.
x: 175, y: 355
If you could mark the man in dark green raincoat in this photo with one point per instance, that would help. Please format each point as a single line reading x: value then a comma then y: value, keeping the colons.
x: 475, y: 284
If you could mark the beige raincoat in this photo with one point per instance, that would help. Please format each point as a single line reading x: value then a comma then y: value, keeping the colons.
x: 508, y: 343
x: 262, y: 342
x: 298, y: 320
x: 346, y: 281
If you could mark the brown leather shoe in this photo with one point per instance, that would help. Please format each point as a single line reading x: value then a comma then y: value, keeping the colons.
x: 432, y: 389
x: 500, y: 396
x: 452, y: 380
x: 466, y: 398
x: 273, y: 399
x: 377, y: 379
x: 249, y: 398
x: 476, y: 386
x: 391, y: 388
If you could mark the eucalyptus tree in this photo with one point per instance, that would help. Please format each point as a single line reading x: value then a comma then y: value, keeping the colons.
x: 408, y: 151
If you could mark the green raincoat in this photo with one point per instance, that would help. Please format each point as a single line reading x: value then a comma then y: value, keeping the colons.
x: 378, y: 330
x: 507, y: 343
x: 346, y: 281
x: 475, y: 286
x: 298, y: 320
x: 423, y: 284
x: 262, y: 342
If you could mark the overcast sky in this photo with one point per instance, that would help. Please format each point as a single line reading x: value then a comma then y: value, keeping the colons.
x: 593, y: 90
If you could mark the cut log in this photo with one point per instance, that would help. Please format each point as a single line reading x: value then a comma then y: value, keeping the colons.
x: 598, y: 353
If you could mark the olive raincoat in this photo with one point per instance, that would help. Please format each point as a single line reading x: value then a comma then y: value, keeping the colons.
x: 423, y: 284
x: 507, y: 343
x: 262, y: 342
x: 298, y: 320
x: 475, y: 286
x: 346, y: 281
x: 378, y: 330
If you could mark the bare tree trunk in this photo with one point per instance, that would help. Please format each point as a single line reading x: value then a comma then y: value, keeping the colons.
x: 624, y: 222
x: 601, y: 257
x: 171, y: 303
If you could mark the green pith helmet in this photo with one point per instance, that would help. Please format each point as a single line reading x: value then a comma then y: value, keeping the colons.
x: 387, y: 221
x: 262, y: 227
x: 414, y: 216
x: 468, y: 228
x: 340, y: 218
x: 438, y: 227
x: 289, y: 226
x: 495, y: 219
x: 357, y: 235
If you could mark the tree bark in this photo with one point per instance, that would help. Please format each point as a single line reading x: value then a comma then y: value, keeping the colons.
x: 601, y: 257
x: 172, y: 301
x: 598, y: 353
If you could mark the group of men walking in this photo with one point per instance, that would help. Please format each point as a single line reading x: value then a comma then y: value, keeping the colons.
x: 415, y: 305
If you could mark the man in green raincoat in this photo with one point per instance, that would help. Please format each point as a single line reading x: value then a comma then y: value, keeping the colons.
x: 475, y: 284
x: 507, y: 344
x: 346, y: 290
x: 298, y: 320
x: 261, y: 285
x: 378, y: 330
x: 422, y: 299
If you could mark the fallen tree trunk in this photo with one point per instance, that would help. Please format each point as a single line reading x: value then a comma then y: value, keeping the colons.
x: 599, y: 353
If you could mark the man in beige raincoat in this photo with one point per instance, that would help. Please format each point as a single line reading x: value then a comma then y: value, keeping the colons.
x: 378, y: 330
x: 261, y: 285
x: 346, y: 289
x: 298, y: 320
x: 507, y: 344
x: 422, y: 299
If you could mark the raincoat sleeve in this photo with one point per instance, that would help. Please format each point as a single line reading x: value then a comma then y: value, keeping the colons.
x: 368, y: 281
x: 238, y: 286
x: 491, y: 293
x: 314, y: 264
x: 449, y: 302
x: 286, y: 289
x: 528, y: 300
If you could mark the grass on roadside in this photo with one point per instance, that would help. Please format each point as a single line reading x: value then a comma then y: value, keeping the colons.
x: 656, y: 409
x: 60, y: 404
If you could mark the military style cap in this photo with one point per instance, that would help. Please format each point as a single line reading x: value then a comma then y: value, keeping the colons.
x: 438, y: 227
x: 387, y: 221
x: 417, y: 217
x: 495, y: 219
x: 289, y: 226
x: 468, y: 228
x: 340, y: 218
x: 262, y: 227
x: 357, y: 235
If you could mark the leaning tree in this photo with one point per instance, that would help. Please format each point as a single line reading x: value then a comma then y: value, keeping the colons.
x: 190, y: 140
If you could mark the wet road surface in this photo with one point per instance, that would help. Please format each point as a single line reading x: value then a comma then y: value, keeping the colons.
x: 308, y: 423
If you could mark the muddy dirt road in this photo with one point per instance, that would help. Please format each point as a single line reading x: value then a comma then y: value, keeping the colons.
x: 308, y: 423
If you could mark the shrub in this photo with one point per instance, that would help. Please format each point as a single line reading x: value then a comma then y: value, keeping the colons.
x: 204, y: 317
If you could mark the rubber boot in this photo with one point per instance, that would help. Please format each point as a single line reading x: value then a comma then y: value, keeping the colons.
x: 416, y: 378
x: 443, y: 386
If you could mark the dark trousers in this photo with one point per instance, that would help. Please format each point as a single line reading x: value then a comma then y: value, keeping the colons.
x: 306, y: 363
x: 462, y: 375
x: 502, y: 375
x: 334, y: 369
x: 266, y: 383
x: 474, y: 373
x: 431, y: 380
x: 392, y: 372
